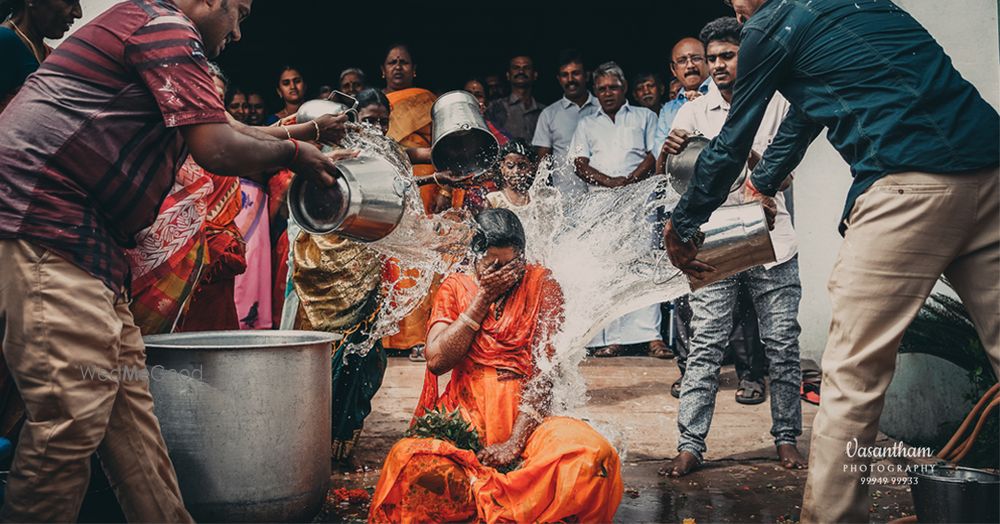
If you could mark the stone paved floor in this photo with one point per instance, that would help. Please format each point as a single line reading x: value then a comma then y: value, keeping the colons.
x: 740, y: 482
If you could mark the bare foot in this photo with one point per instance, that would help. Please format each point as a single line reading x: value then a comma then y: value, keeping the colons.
x: 685, y: 462
x: 790, y: 457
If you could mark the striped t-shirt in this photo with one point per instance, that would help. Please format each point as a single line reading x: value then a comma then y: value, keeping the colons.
x: 90, y: 145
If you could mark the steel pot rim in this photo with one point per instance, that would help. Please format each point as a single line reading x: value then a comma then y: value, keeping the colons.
x: 182, y: 341
x: 995, y: 478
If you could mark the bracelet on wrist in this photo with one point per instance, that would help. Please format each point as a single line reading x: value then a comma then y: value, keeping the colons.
x: 467, y: 320
x: 317, y: 130
x: 287, y: 132
x: 295, y: 155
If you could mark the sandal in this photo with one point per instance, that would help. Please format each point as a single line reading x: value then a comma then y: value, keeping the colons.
x: 675, y: 388
x: 809, y: 391
x: 614, y: 350
x: 750, y: 392
x: 658, y: 349
x: 417, y: 354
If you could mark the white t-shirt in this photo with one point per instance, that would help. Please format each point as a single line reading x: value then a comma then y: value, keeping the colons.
x: 706, y: 115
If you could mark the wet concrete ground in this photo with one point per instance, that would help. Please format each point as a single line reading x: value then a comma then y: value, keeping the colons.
x: 741, y: 480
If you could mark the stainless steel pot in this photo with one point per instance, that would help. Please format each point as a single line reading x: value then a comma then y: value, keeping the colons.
x: 736, y: 239
x: 246, y: 419
x: 365, y: 203
x: 956, y: 494
x: 337, y: 104
x: 680, y: 167
x: 461, y: 141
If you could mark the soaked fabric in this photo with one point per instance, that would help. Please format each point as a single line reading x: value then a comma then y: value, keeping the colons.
x: 568, y: 472
x: 277, y: 193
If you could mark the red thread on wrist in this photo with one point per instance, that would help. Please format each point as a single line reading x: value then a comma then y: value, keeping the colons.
x: 296, y: 155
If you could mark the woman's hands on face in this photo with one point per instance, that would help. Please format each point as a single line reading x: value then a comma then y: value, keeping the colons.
x: 495, y: 280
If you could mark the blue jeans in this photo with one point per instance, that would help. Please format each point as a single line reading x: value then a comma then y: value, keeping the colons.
x: 776, y: 294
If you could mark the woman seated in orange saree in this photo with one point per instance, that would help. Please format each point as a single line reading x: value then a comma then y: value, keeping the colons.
x: 485, y: 329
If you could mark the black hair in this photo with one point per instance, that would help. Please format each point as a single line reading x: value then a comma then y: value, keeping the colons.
x: 520, y: 147
x: 232, y: 92
x: 371, y: 97
x: 570, y: 56
x: 290, y: 67
x: 725, y: 29
x: 10, y: 8
x: 643, y: 76
x: 497, y: 228
x: 394, y: 45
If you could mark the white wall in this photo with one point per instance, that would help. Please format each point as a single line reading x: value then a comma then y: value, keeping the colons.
x: 967, y: 29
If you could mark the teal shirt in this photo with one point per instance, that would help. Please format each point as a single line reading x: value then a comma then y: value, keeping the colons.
x: 884, y: 89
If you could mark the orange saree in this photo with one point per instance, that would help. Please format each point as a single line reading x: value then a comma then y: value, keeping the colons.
x: 568, y: 471
x: 410, y: 125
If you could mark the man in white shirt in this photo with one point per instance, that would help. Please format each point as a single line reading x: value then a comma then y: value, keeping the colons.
x: 774, y: 288
x: 557, y: 123
x: 613, y: 148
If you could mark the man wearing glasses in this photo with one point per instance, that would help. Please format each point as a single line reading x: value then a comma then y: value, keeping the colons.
x: 687, y: 63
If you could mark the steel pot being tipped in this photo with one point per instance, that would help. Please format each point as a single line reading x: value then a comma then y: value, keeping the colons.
x: 736, y: 238
x: 337, y: 103
x: 366, y: 202
x: 461, y: 141
x: 680, y: 167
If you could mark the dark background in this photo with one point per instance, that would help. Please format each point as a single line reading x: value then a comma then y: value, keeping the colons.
x: 453, y: 41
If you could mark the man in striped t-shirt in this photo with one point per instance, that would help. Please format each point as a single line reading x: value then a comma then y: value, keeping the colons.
x: 88, y: 150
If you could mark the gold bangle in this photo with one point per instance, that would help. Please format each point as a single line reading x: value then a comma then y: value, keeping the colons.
x: 467, y: 320
x: 317, y: 129
x: 287, y: 132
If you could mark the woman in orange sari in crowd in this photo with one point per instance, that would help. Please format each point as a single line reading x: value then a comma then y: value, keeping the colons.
x: 410, y: 125
x: 484, y: 329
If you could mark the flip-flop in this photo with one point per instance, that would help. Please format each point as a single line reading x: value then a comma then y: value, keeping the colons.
x: 750, y: 392
x: 675, y: 388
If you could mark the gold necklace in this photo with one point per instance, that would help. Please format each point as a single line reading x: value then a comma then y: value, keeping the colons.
x: 24, y: 37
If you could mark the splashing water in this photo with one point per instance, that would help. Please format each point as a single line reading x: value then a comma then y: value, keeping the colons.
x: 603, y: 249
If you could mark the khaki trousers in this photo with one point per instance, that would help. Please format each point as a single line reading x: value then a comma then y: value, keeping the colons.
x: 903, y: 233
x: 74, y: 352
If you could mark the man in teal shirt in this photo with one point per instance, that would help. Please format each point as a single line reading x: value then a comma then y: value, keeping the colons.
x: 923, y: 149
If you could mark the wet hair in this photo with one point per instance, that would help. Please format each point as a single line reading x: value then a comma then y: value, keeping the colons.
x: 372, y: 97
x: 520, y: 147
x: 355, y: 71
x: 497, y: 228
x: 725, y: 29
x: 609, y: 69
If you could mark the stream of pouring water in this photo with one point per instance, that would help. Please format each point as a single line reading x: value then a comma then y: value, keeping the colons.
x: 601, y: 248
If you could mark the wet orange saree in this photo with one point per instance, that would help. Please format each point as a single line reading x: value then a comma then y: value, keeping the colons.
x: 410, y: 125
x: 568, y: 471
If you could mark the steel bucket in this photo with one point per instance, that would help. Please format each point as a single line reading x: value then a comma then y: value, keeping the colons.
x: 337, y: 103
x: 365, y: 203
x: 736, y: 239
x: 956, y: 494
x: 246, y: 420
x: 680, y: 167
x: 461, y: 141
